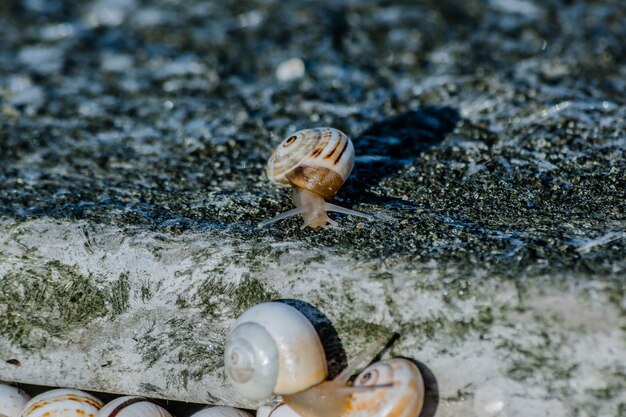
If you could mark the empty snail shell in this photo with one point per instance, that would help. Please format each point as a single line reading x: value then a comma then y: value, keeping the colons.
x: 12, y: 400
x: 221, y: 411
x: 391, y: 388
x: 133, y: 407
x: 62, y: 403
x: 316, y: 163
x: 273, y: 349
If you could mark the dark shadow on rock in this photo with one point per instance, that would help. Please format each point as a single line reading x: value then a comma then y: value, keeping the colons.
x: 393, y: 143
x: 431, y: 389
x: 336, y: 357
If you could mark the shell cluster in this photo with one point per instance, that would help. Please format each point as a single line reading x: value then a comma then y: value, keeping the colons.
x: 74, y: 403
x: 273, y: 349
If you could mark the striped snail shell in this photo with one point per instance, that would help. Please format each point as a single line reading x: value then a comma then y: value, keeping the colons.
x: 319, y: 160
x: 391, y: 388
x: 62, y: 403
x: 12, y: 400
x: 273, y: 349
x: 221, y: 411
x: 316, y: 163
x: 403, y: 398
x: 133, y: 407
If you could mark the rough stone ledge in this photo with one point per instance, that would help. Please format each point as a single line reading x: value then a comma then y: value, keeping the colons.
x: 146, y: 313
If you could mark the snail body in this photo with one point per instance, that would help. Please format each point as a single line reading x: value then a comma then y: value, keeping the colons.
x: 62, y: 403
x: 133, y: 407
x: 12, y: 400
x: 272, y: 348
x: 316, y: 163
x: 391, y: 388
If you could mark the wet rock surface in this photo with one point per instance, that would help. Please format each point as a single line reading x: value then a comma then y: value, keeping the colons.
x: 490, y: 141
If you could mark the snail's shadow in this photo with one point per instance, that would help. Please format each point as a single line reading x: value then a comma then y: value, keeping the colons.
x: 336, y: 357
x: 431, y: 389
x: 395, y: 142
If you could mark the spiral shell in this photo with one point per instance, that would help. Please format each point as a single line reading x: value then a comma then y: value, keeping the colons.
x: 279, y: 410
x: 319, y: 160
x: 133, y: 407
x: 12, y: 400
x: 62, y: 403
x: 403, y: 398
x: 273, y: 348
x: 221, y: 411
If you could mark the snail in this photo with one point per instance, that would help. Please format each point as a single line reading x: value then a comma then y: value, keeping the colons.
x: 62, y: 403
x: 316, y: 163
x: 132, y: 407
x: 221, y: 411
x: 12, y: 400
x: 391, y: 388
x: 273, y: 349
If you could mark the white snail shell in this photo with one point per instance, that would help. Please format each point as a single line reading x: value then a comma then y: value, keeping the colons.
x: 12, y: 400
x: 62, y: 403
x: 319, y: 160
x: 132, y: 407
x: 273, y: 349
x: 221, y: 411
x: 278, y: 410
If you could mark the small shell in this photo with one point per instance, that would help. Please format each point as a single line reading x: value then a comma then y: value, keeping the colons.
x: 279, y: 410
x: 63, y: 403
x: 404, y: 398
x: 221, y: 411
x: 273, y: 348
x: 319, y: 160
x: 12, y: 400
x: 132, y: 407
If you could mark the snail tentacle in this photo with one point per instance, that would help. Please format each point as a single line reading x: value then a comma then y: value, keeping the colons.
x: 289, y: 213
x: 343, y: 210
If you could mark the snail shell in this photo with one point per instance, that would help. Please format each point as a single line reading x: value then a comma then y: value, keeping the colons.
x: 221, y: 411
x: 273, y: 349
x: 12, y: 400
x: 62, y: 403
x: 133, y: 407
x: 278, y: 410
x: 404, y: 398
x: 391, y: 388
x: 319, y: 160
x: 316, y: 163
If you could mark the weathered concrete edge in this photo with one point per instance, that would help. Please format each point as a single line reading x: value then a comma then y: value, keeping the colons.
x: 169, y: 301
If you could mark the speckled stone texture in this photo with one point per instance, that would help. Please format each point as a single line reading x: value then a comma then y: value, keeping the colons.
x: 490, y: 140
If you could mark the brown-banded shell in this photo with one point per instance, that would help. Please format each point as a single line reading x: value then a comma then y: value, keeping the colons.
x: 319, y: 160
x: 133, y: 407
x: 404, y: 397
x: 62, y: 403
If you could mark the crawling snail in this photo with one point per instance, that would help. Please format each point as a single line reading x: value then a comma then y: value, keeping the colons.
x: 316, y: 163
x: 274, y: 349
